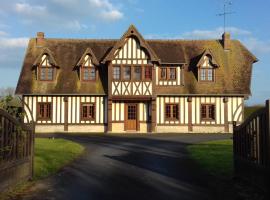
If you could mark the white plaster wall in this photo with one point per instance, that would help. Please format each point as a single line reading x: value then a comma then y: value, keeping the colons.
x: 58, y: 108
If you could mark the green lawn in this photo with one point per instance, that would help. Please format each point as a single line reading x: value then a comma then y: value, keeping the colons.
x: 52, y: 154
x: 216, y: 157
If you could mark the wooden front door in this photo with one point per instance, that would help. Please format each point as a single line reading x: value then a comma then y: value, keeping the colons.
x: 131, y: 117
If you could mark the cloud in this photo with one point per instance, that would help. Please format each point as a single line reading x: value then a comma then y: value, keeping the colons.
x: 256, y: 45
x: 3, y: 33
x: 12, y: 51
x: 27, y: 9
x: 20, y: 42
x: 108, y: 11
x: 68, y: 15
x: 214, y: 34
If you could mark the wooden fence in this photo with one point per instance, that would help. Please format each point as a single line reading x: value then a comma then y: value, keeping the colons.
x: 251, y: 145
x: 16, y: 150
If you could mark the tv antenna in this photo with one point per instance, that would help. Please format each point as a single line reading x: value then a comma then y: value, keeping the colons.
x: 225, y: 13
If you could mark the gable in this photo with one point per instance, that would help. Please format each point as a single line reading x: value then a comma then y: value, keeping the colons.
x: 127, y: 38
x: 131, y: 53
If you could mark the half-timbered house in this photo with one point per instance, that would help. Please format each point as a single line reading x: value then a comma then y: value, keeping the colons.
x: 133, y: 84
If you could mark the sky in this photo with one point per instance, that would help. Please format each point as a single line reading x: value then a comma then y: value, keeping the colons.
x: 155, y: 19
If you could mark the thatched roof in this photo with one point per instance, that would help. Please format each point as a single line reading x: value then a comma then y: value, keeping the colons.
x: 232, y: 77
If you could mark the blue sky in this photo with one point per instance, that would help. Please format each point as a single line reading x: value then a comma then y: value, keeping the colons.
x: 165, y: 19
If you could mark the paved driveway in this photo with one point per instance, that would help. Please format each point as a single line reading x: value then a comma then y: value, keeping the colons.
x: 130, y: 167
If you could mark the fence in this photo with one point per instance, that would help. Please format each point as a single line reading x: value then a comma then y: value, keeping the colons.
x: 251, y: 143
x: 16, y: 150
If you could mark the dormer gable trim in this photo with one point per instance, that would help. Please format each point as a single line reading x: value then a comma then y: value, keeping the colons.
x: 47, y: 52
x: 131, y: 32
x: 212, y: 60
x: 93, y: 58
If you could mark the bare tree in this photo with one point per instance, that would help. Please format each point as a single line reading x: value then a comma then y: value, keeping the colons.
x: 7, y: 91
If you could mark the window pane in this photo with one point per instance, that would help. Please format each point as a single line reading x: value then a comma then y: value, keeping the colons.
x: 84, y: 111
x: 137, y: 73
x: 127, y: 73
x: 203, y: 112
x: 203, y: 74
x: 42, y: 73
x: 116, y: 73
x: 92, y: 73
x: 48, y: 110
x: 50, y: 73
x: 91, y: 111
x: 85, y: 74
x: 163, y: 73
x: 172, y: 73
x: 175, y: 111
x: 210, y: 75
x: 41, y: 111
x: 211, y: 111
x: 168, y: 111
x: 148, y: 72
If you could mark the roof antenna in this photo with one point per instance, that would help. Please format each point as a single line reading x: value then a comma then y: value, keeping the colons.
x: 225, y: 12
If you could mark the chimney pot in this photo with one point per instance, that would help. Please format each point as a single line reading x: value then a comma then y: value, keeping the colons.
x: 40, y: 39
x: 226, y: 41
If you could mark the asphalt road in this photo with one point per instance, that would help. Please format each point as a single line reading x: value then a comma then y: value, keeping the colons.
x: 150, y: 167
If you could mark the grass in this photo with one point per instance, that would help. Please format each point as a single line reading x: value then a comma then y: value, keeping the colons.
x: 52, y: 154
x: 216, y: 157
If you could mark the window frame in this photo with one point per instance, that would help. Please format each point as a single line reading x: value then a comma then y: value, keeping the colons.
x: 171, y: 114
x: 88, y: 104
x: 174, y: 69
x: 132, y: 67
x: 133, y: 75
x: 149, y: 67
x: 207, y: 69
x: 89, y: 67
x: 207, y: 117
x: 119, y: 78
x: 167, y: 70
x: 130, y: 72
x: 46, y: 68
x: 46, y: 106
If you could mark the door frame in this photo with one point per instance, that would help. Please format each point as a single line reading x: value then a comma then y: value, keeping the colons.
x: 137, y: 116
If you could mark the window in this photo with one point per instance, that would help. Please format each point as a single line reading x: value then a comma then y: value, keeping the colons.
x: 46, y: 70
x: 116, y: 73
x: 163, y: 74
x: 208, y: 112
x: 148, y: 72
x: 172, y: 73
x: 88, y: 70
x: 206, y: 74
x: 171, y: 112
x: 127, y: 73
x: 87, y: 111
x: 137, y: 73
x: 44, y: 111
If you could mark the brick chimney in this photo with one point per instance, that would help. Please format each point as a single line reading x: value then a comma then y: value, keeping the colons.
x: 226, y: 41
x: 40, y: 39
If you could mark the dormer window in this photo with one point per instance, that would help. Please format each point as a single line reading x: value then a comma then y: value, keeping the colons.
x: 88, y: 71
x: 206, y: 67
x: 46, y: 70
